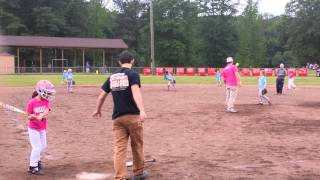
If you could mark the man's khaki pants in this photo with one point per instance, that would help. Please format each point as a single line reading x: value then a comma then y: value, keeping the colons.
x: 124, y: 127
x: 231, y: 95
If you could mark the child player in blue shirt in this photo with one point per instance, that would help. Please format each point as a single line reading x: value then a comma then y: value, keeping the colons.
x: 218, y: 77
x: 262, y: 89
x: 171, y: 81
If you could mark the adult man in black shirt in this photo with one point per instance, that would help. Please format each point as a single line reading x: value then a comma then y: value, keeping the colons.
x: 128, y: 115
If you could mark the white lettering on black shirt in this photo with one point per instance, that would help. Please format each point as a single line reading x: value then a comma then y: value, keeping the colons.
x: 119, y: 81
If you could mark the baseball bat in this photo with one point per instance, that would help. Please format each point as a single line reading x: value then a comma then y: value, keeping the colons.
x: 12, y: 108
x: 130, y: 163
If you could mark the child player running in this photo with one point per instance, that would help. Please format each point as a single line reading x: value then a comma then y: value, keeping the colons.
x: 291, y: 84
x: 64, y: 77
x: 38, y: 108
x: 171, y: 81
x: 262, y: 89
x: 218, y: 77
x: 69, y: 81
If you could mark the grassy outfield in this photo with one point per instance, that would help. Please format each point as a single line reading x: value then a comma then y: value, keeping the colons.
x: 93, y: 79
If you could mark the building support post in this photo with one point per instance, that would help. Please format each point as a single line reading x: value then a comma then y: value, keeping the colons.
x: 62, y: 56
x: 18, y: 59
x: 83, y: 69
x: 104, y: 58
x: 40, y: 60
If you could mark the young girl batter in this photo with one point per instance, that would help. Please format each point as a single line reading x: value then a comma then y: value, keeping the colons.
x: 38, y: 108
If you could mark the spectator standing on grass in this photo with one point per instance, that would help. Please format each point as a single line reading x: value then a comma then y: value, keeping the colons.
x: 128, y: 116
x: 87, y: 67
x: 232, y: 83
x: 281, y: 74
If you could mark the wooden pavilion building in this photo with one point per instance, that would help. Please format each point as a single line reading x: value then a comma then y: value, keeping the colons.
x: 60, y: 43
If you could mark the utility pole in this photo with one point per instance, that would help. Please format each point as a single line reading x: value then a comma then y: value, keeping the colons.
x: 152, y: 38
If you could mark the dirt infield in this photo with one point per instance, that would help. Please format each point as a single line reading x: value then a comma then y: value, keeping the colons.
x: 188, y: 132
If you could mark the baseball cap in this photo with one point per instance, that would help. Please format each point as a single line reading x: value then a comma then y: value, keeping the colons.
x: 229, y: 60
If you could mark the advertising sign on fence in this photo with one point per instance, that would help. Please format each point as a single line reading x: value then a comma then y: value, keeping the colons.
x: 159, y: 71
x: 221, y: 70
x: 211, y: 71
x: 255, y: 72
x: 245, y: 72
x: 146, y: 71
x: 202, y: 72
x: 302, y: 72
x: 180, y: 71
x: 169, y: 69
x: 292, y: 70
x: 190, y: 71
x: 268, y: 71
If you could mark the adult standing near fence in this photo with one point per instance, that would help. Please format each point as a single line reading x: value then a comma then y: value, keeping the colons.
x: 281, y: 74
x: 232, y: 83
x: 128, y: 115
x: 87, y: 67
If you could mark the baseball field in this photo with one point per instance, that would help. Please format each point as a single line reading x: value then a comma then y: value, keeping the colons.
x: 187, y: 131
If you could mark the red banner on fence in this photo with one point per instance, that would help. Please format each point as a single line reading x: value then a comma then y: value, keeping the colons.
x: 169, y: 69
x: 292, y: 70
x: 202, y: 72
x: 245, y: 72
x: 302, y: 72
x: 159, y: 71
x: 268, y: 71
x: 146, y: 71
x: 190, y: 71
x: 179, y: 71
x: 211, y: 71
x: 255, y: 72
x: 221, y: 70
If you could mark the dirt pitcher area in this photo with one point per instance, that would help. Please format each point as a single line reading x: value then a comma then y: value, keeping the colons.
x: 187, y: 131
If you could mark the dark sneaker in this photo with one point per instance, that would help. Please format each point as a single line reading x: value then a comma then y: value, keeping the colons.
x: 141, y: 176
x: 40, y: 166
x: 35, y: 171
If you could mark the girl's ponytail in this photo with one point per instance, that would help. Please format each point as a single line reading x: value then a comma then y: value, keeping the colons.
x: 34, y: 94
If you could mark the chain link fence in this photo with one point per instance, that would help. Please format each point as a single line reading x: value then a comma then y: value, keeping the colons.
x: 77, y: 69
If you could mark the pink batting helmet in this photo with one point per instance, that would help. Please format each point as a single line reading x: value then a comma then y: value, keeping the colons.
x: 45, y: 88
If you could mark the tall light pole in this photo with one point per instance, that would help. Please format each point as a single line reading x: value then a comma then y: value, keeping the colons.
x: 152, y: 38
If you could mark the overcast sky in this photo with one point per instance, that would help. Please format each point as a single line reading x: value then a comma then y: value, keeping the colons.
x: 275, y: 7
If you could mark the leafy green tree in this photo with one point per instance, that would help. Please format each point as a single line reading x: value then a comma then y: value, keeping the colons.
x: 217, y: 31
x: 174, y: 32
x: 100, y: 20
x: 303, y: 35
x: 130, y: 21
x: 251, y: 51
x: 272, y: 32
x: 10, y: 23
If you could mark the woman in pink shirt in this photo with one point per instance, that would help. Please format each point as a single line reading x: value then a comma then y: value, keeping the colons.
x: 38, y: 108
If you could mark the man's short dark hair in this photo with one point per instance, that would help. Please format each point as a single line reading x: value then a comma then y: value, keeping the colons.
x: 125, y: 57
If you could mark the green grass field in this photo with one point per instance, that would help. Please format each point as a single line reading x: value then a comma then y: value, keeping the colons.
x: 93, y: 79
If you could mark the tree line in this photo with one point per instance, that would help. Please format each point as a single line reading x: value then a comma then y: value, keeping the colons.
x: 187, y: 33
